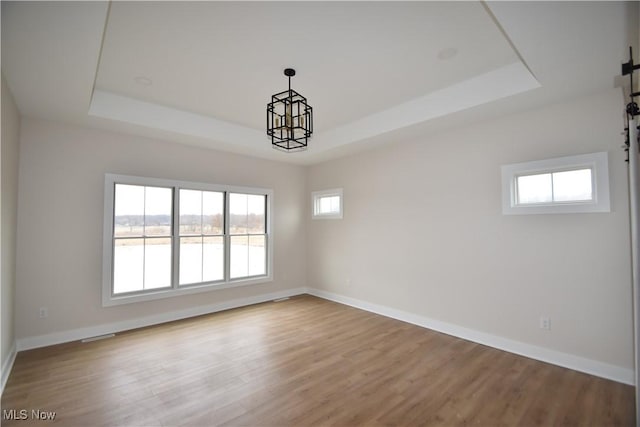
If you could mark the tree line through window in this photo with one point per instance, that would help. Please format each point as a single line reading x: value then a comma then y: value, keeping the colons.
x: 219, y: 236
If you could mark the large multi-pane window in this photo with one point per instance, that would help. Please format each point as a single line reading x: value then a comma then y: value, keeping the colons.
x: 166, y: 237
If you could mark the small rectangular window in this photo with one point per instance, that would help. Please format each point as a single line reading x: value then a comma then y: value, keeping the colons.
x: 327, y: 204
x: 573, y: 186
x: 555, y: 187
x: 570, y: 184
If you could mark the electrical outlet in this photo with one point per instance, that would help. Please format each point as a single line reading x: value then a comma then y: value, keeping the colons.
x: 44, y: 312
x: 348, y: 282
x: 545, y: 323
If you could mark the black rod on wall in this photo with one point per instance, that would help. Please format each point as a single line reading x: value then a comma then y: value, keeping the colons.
x: 633, y: 159
x: 632, y: 109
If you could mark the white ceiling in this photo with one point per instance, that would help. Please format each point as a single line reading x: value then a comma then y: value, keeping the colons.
x: 374, y: 72
x: 225, y: 60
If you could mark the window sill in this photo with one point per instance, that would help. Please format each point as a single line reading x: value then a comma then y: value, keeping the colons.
x: 558, y: 208
x: 327, y: 216
x: 111, y: 300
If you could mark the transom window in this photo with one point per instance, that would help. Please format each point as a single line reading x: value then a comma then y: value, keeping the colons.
x: 327, y: 203
x: 555, y: 187
x: 164, y: 238
x: 572, y: 184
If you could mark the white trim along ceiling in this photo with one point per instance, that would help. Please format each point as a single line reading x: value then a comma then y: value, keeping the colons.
x: 201, y: 73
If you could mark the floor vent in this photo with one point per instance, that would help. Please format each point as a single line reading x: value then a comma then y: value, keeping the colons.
x: 281, y: 299
x: 99, y: 337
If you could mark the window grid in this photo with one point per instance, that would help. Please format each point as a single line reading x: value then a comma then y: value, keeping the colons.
x: 334, y: 203
x: 247, y: 234
x: 202, y: 235
x: 552, y: 187
x: 219, y: 228
x: 580, y: 185
x: 143, y: 236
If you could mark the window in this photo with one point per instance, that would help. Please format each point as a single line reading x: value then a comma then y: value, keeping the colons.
x: 555, y: 187
x: 327, y: 204
x: 201, y: 236
x: 164, y: 238
x: 248, y: 234
x: 141, y: 238
x: 562, y: 185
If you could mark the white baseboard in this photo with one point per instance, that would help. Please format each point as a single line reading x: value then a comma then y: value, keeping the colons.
x: 7, y: 366
x: 577, y: 363
x: 112, y: 328
x: 589, y: 366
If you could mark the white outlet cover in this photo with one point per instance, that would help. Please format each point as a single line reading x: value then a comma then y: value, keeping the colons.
x: 545, y: 323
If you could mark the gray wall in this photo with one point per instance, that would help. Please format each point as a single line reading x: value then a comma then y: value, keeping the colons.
x: 61, y: 219
x: 423, y: 232
x: 9, y: 206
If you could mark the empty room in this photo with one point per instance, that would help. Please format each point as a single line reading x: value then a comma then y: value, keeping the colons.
x: 319, y: 213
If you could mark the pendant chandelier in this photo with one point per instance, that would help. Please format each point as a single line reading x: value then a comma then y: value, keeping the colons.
x: 289, y: 118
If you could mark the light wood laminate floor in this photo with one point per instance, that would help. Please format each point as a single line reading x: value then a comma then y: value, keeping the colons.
x: 304, y: 361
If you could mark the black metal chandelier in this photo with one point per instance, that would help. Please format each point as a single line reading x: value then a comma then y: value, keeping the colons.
x: 289, y: 118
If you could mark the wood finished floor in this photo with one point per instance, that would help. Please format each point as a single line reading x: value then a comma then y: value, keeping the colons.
x: 305, y: 361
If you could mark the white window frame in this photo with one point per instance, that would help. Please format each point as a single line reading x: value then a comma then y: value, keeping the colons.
x: 315, y: 200
x: 597, y: 162
x: 109, y: 299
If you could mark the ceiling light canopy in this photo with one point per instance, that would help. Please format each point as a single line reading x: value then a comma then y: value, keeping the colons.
x: 289, y: 118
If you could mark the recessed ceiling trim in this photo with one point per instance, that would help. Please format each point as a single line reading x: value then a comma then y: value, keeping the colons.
x: 117, y: 107
x: 50, y: 53
x: 500, y: 83
x: 497, y: 84
x: 104, y: 32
